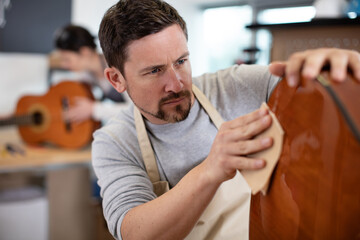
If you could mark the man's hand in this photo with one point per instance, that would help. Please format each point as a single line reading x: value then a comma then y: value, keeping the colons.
x: 234, y: 142
x: 80, y: 111
x: 308, y: 64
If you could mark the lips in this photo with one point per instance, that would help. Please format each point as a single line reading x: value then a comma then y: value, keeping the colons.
x: 174, y: 101
x: 174, y: 98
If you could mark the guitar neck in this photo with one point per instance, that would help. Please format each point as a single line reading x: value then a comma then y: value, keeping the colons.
x: 17, y: 120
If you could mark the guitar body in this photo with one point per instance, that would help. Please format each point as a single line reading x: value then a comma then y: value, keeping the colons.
x: 47, y: 110
x: 314, y: 192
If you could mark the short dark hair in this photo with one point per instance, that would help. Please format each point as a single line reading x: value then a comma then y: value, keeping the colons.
x: 130, y: 20
x: 72, y: 38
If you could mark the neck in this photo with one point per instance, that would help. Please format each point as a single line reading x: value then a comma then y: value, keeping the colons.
x: 27, y: 119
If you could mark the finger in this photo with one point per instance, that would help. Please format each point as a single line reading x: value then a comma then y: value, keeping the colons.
x: 245, y: 163
x: 71, y: 115
x: 354, y: 64
x: 65, y: 115
x: 312, y: 65
x: 250, y: 130
x: 246, y: 119
x: 247, y: 147
x: 338, y: 63
x: 277, y: 68
x: 76, y: 118
x: 293, y: 68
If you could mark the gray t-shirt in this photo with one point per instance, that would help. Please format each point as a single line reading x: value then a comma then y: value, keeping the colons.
x: 178, y: 147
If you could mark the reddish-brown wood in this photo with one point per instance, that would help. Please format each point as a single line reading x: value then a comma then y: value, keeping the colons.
x: 314, y: 191
x: 50, y: 107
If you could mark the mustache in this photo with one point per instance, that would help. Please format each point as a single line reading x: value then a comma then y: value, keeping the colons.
x: 175, y: 96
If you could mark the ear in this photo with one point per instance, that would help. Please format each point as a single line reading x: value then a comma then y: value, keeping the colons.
x: 116, y: 79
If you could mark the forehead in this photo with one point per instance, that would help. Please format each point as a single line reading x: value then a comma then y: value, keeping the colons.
x: 67, y: 53
x: 169, y: 44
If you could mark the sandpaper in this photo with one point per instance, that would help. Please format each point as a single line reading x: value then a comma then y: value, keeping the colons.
x: 259, y: 180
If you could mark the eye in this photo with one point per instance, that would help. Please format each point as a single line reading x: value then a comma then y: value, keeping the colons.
x: 181, y: 61
x: 156, y: 70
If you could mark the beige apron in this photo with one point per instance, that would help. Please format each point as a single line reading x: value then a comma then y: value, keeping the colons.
x: 227, y: 215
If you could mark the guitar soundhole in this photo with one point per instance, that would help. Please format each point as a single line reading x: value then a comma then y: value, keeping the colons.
x: 37, y: 118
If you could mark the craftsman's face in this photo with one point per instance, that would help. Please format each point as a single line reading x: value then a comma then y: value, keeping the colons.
x: 158, y: 76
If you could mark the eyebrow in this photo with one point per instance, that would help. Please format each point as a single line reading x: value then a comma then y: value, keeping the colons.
x: 150, y: 68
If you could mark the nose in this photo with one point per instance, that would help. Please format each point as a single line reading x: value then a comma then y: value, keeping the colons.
x: 173, y: 81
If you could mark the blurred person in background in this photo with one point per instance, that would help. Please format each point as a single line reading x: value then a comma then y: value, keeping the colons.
x: 76, y: 51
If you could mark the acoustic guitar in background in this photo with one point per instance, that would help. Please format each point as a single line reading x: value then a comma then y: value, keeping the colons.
x: 40, y: 118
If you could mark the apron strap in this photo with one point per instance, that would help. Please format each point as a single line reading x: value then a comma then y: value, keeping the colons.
x: 145, y: 147
x: 209, y: 108
x: 144, y: 141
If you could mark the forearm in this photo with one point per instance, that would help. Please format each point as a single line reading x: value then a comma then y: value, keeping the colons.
x: 174, y: 214
x: 104, y: 111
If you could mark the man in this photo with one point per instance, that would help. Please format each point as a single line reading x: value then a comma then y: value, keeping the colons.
x: 145, y: 45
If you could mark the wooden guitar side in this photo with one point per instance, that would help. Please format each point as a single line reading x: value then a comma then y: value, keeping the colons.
x: 314, y: 192
x: 50, y: 107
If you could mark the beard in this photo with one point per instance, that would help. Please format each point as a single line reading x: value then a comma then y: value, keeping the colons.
x: 179, y: 113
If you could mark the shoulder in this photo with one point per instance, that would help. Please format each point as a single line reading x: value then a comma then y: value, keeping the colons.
x: 117, y: 136
x: 247, y: 85
x: 236, y: 74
